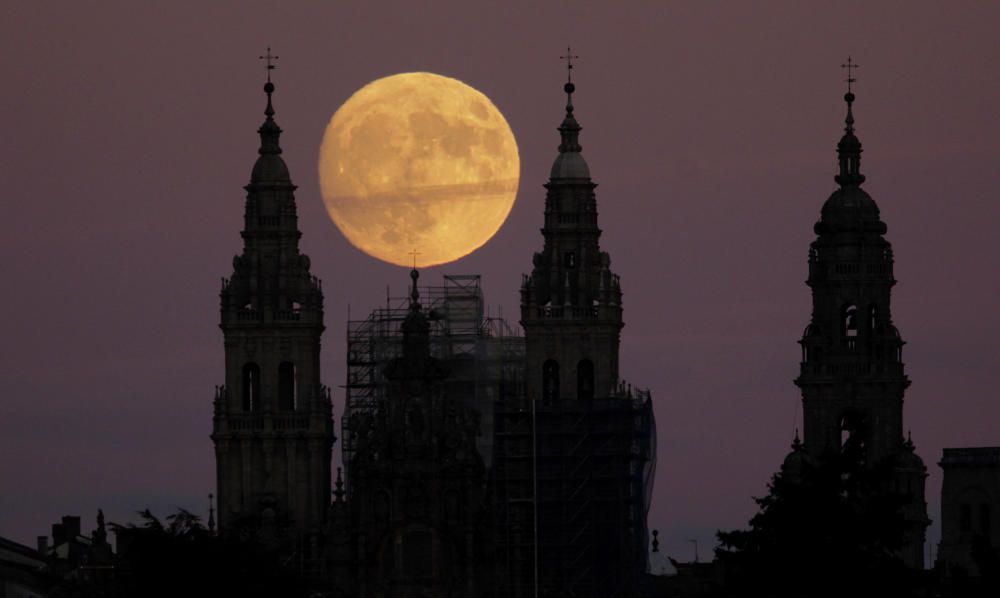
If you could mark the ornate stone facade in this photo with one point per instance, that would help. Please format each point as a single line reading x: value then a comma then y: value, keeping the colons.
x: 415, y: 508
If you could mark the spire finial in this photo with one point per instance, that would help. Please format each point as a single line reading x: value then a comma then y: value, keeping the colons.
x: 569, y: 88
x: 850, y: 65
x: 849, y: 148
x: 796, y: 443
x: 100, y: 535
x: 569, y: 130
x: 269, y: 87
x: 269, y: 64
x: 211, y: 513
x: 656, y: 540
x: 414, y: 293
x: 339, y: 492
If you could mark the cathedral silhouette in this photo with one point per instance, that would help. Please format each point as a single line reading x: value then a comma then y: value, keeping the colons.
x: 480, y: 462
x: 477, y: 463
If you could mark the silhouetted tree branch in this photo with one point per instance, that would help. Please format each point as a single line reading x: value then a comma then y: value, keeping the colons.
x: 832, y: 529
x: 182, y: 558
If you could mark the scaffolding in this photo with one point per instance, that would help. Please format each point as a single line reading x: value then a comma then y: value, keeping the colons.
x: 484, y: 355
x: 572, y: 489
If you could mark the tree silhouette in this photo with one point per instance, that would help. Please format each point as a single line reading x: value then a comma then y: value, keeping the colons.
x: 183, y: 558
x: 832, y: 528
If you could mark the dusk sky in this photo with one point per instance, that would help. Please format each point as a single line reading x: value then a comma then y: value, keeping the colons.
x: 710, y: 128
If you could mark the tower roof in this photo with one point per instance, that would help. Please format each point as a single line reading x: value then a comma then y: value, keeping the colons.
x: 850, y: 208
x: 270, y: 167
x: 849, y: 150
x: 569, y: 163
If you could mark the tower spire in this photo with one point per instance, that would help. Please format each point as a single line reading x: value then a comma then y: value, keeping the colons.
x: 272, y: 322
x: 569, y: 130
x: 570, y: 163
x: 569, y: 87
x: 849, y: 148
x: 270, y: 168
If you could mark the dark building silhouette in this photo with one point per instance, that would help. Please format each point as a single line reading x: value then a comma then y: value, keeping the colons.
x: 970, y: 512
x: 273, y: 426
x: 851, y: 376
x: 476, y: 462
x: 573, y: 453
x: 24, y: 571
x: 415, y: 510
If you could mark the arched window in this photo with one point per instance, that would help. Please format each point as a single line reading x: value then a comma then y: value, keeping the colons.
x: 873, y: 317
x: 849, y: 320
x: 853, y: 434
x: 286, y: 386
x: 251, y: 387
x: 550, y: 381
x: 585, y: 380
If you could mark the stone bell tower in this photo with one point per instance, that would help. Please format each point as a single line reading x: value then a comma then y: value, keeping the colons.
x: 273, y: 426
x: 852, y: 377
x: 574, y: 457
x: 571, y: 303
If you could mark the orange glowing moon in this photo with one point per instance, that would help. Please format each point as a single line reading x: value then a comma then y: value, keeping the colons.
x: 418, y: 162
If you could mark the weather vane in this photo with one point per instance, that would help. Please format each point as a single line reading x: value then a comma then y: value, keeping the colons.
x: 569, y: 63
x: 850, y: 65
x: 270, y: 66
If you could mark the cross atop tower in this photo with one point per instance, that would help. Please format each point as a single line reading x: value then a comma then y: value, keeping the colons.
x: 414, y: 255
x: 269, y: 65
x: 569, y: 64
x: 850, y: 65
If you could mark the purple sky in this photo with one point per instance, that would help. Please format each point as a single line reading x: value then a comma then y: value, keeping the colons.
x: 711, y: 130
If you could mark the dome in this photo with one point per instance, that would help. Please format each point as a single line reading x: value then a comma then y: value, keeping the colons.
x: 796, y: 460
x: 850, y: 209
x: 908, y: 459
x: 793, y: 463
x: 270, y: 168
x: 570, y: 165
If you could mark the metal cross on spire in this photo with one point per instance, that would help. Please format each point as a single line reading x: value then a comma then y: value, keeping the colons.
x: 269, y: 65
x: 414, y: 255
x: 569, y: 64
x: 850, y: 65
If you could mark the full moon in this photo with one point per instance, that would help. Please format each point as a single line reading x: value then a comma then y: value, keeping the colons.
x: 418, y: 168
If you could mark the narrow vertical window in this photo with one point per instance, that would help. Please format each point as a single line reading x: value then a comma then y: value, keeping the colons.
x: 849, y: 318
x: 251, y: 387
x: 585, y: 380
x: 853, y: 435
x: 550, y: 381
x: 286, y: 386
